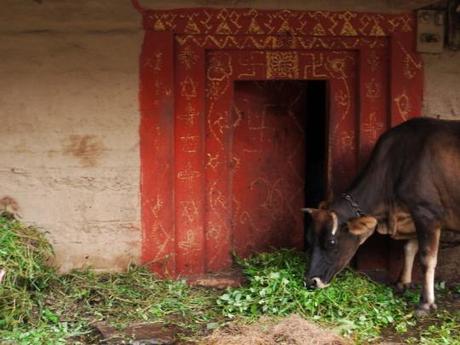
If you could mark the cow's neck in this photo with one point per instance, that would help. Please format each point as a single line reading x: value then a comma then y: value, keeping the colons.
x: 368, y: 193
x: 369, y: 196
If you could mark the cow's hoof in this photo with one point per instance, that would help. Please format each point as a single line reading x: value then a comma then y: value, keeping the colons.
x: 401, y: 287
x: 424, y: 309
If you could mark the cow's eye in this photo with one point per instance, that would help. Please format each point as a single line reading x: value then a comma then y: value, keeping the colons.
x: 332, y: 242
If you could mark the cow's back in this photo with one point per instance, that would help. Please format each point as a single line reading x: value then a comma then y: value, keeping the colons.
x: 427, y: 153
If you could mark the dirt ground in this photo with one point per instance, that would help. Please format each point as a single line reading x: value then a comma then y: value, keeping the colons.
x: 292, y: 330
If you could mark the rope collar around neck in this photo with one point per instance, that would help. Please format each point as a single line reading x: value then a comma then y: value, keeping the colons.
x: 353, y: 205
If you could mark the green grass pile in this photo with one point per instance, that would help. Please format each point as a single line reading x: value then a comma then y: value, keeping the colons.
x: 355, y: 305
x: 132, y: 296
x: 24, y: 318
x: 23, y: 256
x: 38, y: 306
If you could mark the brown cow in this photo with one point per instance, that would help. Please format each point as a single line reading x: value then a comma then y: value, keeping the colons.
x: 409, y: 190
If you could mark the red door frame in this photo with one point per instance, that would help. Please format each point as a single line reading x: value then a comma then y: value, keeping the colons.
x: 178, y: 184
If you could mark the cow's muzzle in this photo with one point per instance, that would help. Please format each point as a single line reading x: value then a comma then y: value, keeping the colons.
x: 315, y: 283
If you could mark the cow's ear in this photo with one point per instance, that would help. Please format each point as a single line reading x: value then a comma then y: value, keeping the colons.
x: 362, y: 226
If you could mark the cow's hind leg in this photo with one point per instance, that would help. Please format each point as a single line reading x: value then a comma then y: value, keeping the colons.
x: 410, y: 250
x: 428, y: 239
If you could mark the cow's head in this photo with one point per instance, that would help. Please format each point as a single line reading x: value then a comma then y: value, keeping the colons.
x: 333, y: 243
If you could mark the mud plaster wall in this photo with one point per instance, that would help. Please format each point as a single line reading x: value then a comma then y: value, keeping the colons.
x: 69, y: 125
x: 69, y: 117
x: 442, y: 80
x: 442, y: 99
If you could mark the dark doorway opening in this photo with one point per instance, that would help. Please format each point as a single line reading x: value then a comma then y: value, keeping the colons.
x: 316, y: 144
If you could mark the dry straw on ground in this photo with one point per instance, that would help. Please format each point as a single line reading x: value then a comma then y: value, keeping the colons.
x: 292, y: 330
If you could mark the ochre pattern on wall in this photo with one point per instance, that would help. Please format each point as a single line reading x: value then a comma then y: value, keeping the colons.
x: 190, y: 61
x: 272, y: 22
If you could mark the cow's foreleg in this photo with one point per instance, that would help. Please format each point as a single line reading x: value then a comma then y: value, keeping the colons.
x: 410, y: 250
x: 428, y: 239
